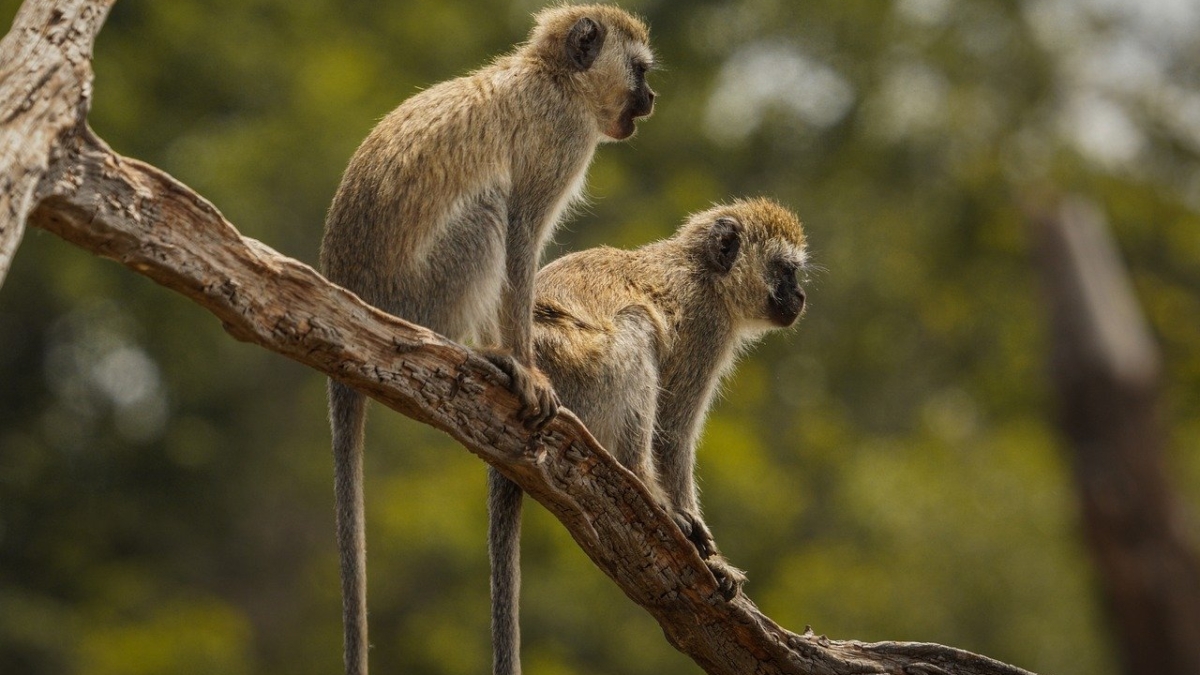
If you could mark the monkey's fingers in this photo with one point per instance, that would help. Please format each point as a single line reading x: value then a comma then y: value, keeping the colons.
x: 502, y: 360
x: 729, y: 578
x: 539, y: 403
x: 704, y: 541
x: 518, y: 378
x: 547, y: 407
x: 684, y: 522
x: 697, y: 532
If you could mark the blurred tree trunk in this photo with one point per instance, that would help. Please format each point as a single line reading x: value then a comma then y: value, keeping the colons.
x: 1106, y: 369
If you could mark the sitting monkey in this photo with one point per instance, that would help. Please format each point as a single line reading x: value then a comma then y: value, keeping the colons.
x: 635, y: 343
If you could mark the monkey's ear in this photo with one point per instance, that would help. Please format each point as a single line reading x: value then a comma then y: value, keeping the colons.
x: 584, y: 42
x: 724, y: 244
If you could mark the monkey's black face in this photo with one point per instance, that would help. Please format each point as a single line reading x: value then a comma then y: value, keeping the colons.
x: 786, y: 303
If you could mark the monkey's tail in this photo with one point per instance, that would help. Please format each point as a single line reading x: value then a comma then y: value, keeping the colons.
x: 504, y: 550
x: 347, y: 417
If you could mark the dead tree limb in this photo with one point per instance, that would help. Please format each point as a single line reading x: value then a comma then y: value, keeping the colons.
x: 45, y: 90
x: 56, y: 174
x: 1106, y: 369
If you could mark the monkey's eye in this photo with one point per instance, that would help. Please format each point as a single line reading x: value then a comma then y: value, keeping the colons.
x: 640, y: 69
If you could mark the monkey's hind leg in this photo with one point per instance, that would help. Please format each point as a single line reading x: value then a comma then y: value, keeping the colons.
x: 347, y: 417
x: 504, y: 551
x: 633, y: 373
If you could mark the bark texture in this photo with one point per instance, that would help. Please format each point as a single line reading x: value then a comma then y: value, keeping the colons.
x: 45, y: 90
x: 1106, y: 368
x: 56, y: 174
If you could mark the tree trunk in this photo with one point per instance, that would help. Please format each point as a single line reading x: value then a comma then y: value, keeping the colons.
x: 1106, y: 369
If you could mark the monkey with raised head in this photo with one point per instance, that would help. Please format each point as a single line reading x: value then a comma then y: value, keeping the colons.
x: 636, y: 343
x: 443, y: 211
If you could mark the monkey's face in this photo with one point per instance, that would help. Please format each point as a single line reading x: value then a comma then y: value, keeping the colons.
x: 757, y: 250
x: 785, y: 302
x: 627, y: 95
x: 639, y: 101
x: 771, y: 290
x: 608, y: 53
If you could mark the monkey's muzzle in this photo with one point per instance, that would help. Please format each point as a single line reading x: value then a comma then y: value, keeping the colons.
x: 787, y: 304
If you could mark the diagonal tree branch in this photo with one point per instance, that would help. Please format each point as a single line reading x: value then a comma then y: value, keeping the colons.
x: 59, y: 176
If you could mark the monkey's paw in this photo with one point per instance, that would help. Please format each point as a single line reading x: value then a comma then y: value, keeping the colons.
x: 729, y: 578
x: 696, y: 532
x: 539, y: 403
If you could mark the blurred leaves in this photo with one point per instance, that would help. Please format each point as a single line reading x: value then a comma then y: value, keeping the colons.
x: 888, y: 470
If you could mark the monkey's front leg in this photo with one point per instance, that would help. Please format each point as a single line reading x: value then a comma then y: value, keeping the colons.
x: 679, y: 462
x: 539, y: 403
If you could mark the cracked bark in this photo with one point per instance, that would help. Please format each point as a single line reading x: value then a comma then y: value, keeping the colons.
x: 57, y: 175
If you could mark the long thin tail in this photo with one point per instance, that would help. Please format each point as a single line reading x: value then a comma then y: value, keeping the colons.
x: 504, y: 550
x: 347, y: 417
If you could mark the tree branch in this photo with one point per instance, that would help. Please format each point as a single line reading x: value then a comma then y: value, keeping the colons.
x: 61, y: 177
x: 45, y: 89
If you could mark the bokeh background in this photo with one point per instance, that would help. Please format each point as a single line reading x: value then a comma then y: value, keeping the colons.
x: 890, y: 469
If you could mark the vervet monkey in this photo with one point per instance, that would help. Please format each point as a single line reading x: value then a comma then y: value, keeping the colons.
x: 636, y: 343
x: 443, y: 211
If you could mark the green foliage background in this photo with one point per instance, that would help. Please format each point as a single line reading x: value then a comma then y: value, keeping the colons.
x: 888, y: 470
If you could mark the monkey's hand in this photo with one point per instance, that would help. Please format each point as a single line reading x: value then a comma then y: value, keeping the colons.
x: 539, y: 403
x: 696, y: 532
x: 729, y: 578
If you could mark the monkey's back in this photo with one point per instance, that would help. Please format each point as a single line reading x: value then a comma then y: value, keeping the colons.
x: 426, y: 200
x: 411, y: 178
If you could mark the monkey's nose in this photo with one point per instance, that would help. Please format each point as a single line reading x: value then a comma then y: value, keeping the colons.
x: 646, y: 105
x: 799, y: 300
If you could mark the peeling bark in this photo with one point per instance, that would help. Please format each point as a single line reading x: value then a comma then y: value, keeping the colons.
x: 56, y: 174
